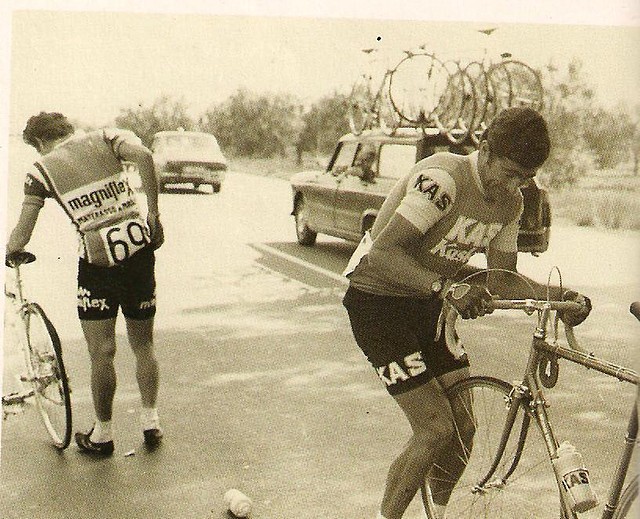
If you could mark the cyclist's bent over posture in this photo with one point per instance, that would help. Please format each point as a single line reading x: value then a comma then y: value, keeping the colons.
x: 84, y: 173
x: 444, y: 210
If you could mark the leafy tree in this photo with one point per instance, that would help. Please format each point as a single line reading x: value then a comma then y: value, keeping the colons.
x: 569, y: 99
x: 610, y: 135
x: 164, y: 114
x: 323, y: 124
x: 254, y: 125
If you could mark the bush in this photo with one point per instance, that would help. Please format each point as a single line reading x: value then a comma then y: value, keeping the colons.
x: 609, y: 209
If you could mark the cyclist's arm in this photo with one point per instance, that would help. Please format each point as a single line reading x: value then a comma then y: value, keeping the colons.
x: 502, y: 254
x: 142, y: 157
x: 23, y: 230
x: 396, y: 247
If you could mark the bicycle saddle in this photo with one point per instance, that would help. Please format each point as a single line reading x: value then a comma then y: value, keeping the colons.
x: 15, y: 259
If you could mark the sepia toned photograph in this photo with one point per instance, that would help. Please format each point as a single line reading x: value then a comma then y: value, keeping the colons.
x: 298, y: 261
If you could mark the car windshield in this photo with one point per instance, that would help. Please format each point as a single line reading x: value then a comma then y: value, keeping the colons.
x: 201, y: 142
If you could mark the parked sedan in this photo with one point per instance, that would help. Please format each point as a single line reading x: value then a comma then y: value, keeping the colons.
x: 344, y: 199
x: 183, y: 157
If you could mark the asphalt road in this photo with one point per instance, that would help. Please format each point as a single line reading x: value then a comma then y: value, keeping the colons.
x: 262, y: 386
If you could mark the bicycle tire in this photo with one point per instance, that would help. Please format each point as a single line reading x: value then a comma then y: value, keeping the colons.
x: 389, y: 120
x: 629, y: 507
x: 415, y: 87
x: 457, y: 105
x: 359, y: 105
x: 47, y: 375
x: 524, y: 84
x: 482, y: 91
x: 527, y: 491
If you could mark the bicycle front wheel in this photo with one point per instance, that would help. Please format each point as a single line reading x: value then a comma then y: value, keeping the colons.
x: 47, y: 375
x: 629, y: 507
x: 520, y: 485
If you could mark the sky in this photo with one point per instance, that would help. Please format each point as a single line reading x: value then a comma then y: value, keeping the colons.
x: 93, y: 59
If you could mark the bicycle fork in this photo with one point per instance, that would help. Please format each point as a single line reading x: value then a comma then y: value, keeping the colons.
x: 517, y: 395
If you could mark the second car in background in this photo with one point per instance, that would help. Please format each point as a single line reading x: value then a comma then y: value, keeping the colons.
x: 183, y: 157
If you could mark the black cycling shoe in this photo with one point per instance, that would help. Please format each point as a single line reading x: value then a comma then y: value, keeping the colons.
x: 152, y: 437
x: 94, y: 448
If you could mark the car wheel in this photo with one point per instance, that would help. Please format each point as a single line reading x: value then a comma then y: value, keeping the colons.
x: 196, y: 186
x: 305, y: 235
x: 215, y: 188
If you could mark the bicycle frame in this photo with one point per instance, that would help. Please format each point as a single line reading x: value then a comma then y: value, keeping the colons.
x: 530, y: 393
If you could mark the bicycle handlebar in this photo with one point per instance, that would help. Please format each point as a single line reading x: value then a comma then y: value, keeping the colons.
x: 533, y: 304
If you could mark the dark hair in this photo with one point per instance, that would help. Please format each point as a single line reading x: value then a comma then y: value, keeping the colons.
x: 46, y: 127
x: 519, y: 134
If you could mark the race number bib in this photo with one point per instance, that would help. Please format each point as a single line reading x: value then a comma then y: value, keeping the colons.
x: 116, y: 243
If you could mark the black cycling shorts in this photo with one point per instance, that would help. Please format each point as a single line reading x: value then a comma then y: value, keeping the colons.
x: 130, y: 285
x: 397, y: 334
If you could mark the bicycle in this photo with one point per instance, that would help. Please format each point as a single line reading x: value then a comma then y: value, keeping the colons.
x: 45, y: 379
x: 370, y: 106
x: 507, y: 472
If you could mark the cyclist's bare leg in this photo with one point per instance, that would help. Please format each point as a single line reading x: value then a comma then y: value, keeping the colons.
x: 101, y: 341
x: 449, y: 463
x: 140, y: 332
x: 429, y: 413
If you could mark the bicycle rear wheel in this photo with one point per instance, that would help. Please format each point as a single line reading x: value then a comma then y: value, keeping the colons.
x: 629, y: 507
x: 47, y: 375
x: 523, y: 486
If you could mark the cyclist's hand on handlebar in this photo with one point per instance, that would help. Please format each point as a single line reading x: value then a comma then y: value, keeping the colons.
x: 574, y: 318
x: 470, y: 301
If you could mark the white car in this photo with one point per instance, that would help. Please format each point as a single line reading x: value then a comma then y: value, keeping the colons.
x: 188, y: 157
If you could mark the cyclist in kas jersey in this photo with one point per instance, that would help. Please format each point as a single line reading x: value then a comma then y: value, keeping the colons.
x: 447, y: 208
x: 84, y: 173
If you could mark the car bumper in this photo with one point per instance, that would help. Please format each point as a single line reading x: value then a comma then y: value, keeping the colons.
x: 196, y: 175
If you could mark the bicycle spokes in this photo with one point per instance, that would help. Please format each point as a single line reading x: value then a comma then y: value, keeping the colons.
x: 47, y: 375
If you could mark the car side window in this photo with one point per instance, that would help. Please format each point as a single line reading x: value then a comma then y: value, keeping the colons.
x: 344, y: 157
x: 396, y: 160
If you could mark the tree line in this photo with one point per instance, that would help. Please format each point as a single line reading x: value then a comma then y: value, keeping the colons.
x: 585, y: 135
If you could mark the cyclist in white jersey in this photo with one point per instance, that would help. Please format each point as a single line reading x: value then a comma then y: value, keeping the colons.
x: 444, y: 210
x: 84, y: 173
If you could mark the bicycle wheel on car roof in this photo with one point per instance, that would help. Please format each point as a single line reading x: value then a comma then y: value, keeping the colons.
x: 415, y: 87
x: 47, y: 375
x: 456, y: 105
x: 388, y: 118
x: 476, y: 73
x: 518, y: 85
x: 523, y: 484
x: 359, y: 105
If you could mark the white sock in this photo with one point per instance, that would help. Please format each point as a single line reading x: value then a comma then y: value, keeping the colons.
x: 149, y: 418
x: 101, y: 432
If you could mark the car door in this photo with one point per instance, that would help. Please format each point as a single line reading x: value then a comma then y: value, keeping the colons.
x: 320, y: 191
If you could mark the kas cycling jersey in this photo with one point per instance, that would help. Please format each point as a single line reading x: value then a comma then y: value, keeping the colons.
x: 86, y: 177
x: 442, y: 197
